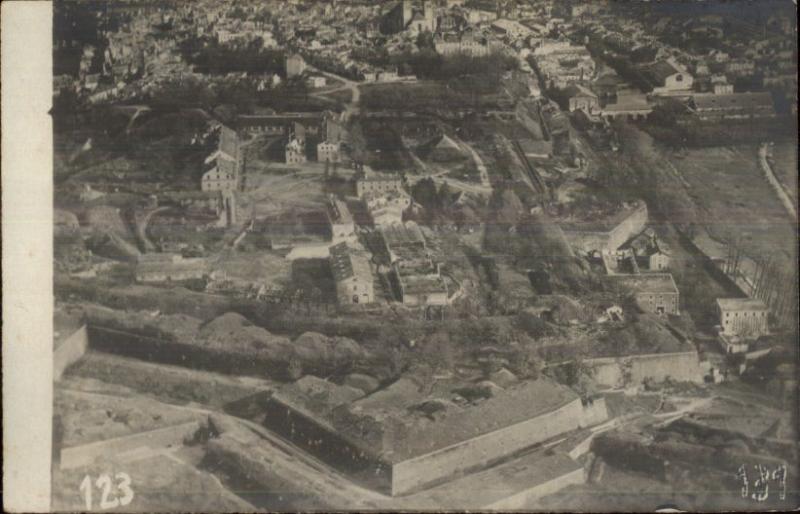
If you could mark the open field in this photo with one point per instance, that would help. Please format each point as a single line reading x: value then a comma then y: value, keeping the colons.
x: 278, y: 188
x: 261, y: 267
x: 734, y: 200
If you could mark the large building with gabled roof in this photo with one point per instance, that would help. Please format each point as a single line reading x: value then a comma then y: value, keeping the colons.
x: 352, y: 275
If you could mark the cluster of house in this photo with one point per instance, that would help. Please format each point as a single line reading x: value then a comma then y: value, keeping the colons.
x: 415, y: 275
x: 704, y: 78
x: 561, y: 63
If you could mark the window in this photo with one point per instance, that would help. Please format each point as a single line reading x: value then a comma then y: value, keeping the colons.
x: 355, y: 288
x: 678, y: 78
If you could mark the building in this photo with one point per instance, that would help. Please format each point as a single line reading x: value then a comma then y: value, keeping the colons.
x: 628, y: 105
x: 224, y: 175
x: 732, y: 106
x: 279, y: 124
x: 371, y: 182
x: 667, y: 77
x: 295, y: 65
x: 339, y: 219
x: 218, y: 178
x: 421, y: 290
x: 743, y: 317
x: 655, y: 293
x: 412, y: 434
x: 608, y: 234
x: 403, y: 17
x: 352, y: 274
x: 581, y: 98
x: 329, y: 152
x: 295, y: 151
x: 387, y: 208
x: 466, y: 43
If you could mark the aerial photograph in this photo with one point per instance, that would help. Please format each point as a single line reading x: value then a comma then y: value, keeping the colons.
x: 426, y: 255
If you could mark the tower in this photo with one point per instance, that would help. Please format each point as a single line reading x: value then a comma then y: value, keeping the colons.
x: 430, y: 17
x: 407, y: 12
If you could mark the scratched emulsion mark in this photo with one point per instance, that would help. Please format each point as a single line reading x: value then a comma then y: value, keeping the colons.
x: 763, y: 476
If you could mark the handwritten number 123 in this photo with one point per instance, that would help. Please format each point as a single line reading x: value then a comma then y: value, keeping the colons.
x: 106, y: 485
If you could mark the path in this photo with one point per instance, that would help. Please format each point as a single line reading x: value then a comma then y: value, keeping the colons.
x: 477, y: 159
x: 351, y: 107
x: 141, y: 229
x: 773, y: 180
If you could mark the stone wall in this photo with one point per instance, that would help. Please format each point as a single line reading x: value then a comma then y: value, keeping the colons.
x: 70, y: 351
x: 587, y: 241
x: 442, y: 464
x: 84, y: 455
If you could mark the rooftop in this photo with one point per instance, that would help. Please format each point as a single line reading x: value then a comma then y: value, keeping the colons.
x: 733, y: 101
x: 407, y: 234
x: 339, y: 212
x: 658, y: 72
x: 741, y: 304
x: 347, y: 263
x: 401, y: 404
x: 647, y: 283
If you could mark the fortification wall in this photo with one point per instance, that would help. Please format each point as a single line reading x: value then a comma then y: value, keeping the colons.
x: 439, y: 465
x: 169, y: 352
x: 324, y: 442
x: 589, y: 240
x: 634, y: 369
x: 70, y: 351
x: 594, y: 413
x: 633, y: 224
x: 84, y: 455
x: 586, y: 241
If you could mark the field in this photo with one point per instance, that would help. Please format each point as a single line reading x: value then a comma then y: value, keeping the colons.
x: 262, y: 267
x: 733, y: 199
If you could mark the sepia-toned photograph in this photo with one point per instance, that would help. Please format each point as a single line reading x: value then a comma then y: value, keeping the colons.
x: 424, y: 255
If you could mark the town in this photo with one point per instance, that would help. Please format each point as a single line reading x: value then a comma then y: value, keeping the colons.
x: 426, y: 254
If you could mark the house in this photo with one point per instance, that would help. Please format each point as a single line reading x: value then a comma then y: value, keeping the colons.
x: 649, y: 251
x: 581, y: 98
x: 316, y: 81
x: 295, y: 65
x: 744, y: 317
x: 352, y: 274
x: 370, y: 181
x: 733, y: 105
x: 629, y: 105
x: 387, y: 208
x: 329, y: 152
x: 340, y: 220
x: 655, y: 293
x: 218, y: 178
x: 422, y: 290
x: 295, y: 151
x: 667, y: 77
x: 658, y: 261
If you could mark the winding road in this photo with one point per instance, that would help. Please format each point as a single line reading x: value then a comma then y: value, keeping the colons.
x: 773, y: 180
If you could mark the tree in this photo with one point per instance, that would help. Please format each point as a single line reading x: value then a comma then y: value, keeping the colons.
x: 425, y: 193
x: 425, y: 41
